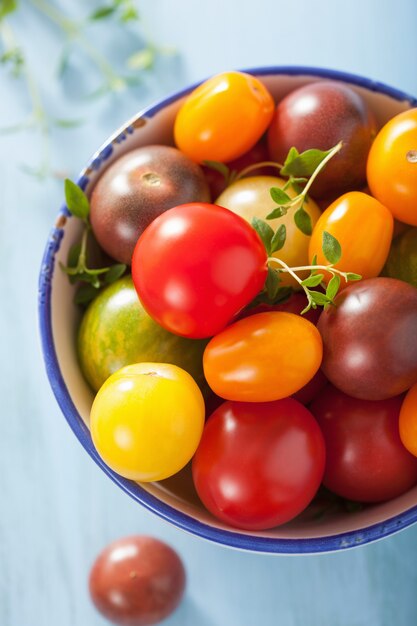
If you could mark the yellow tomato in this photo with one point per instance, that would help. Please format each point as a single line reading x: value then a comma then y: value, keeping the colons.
x: 250, y: 197
x: 362, y: 226
x: 392, y: 166
x: 147, y: 420
x: 223, y: 118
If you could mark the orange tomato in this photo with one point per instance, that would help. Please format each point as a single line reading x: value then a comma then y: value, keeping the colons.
x: 264, y: 357
x: 408, y: 421
x: 223, y: 118
x: 362, y: 226
x: 392, y: 166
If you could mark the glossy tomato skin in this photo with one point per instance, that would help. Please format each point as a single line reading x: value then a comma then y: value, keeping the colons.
x: 223, y: 118
x: 408, y: 421
x: 362, y: 226
x: 392, y: 166
x: 135, y: 189
x: 137, y: 581
x: 259, y: 465
x: 250, y: 197
x: 147, y: 420
x: 319, y: 115
x: 263, y: 357
x: 196, y: 266
x: 369, y: 346
x: 365, y: 459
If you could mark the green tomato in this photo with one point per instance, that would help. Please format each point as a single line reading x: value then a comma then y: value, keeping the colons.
x: 402, y: 259
x: 116, y: 331
x: 250, y: 197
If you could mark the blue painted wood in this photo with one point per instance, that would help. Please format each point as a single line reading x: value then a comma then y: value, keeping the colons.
x: 58, y: 509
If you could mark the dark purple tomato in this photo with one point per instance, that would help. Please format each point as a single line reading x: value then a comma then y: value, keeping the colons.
x: 370, y: 339
x: 137, y: 581
x: 320, y: 115
x: 138, y: 187
x: 365, y: 459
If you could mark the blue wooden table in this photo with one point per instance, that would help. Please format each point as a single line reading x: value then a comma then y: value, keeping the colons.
x: 58, y: 509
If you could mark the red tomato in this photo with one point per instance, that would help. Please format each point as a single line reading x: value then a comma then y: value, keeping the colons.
x: 259, y: 465
x: 196, y: 266
x: 307, y: 393
x: 365, y: 459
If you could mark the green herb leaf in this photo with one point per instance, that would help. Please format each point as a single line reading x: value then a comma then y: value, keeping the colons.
x: 303, y: 221
x: 264, y: 231
x: 314, y: 261
x: 73, y: 255
x: 272, y: 284
x: 142, y: 60
x: 279, y: 196
x: 68, y: 123
x: 292, y: 154
x: 6, y: 7
x: 85, y: 294
x: 114, y: 272
x: 77, y: 201
x: 278, y: 212
x: 333, y: 287
x: 304, y: 164
x: 218, y: 167
x: 331, y: 248
x: 103, y: 12
x: 313, y: 280
x: 320, y: 298
x: 278, y: 240
x: 353, y: 276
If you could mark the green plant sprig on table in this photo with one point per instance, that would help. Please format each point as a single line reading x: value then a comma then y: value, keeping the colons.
x: 92, y: 279
x: 12, y: 56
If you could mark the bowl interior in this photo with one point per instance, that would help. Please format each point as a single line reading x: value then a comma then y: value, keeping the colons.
x: 175, y: 498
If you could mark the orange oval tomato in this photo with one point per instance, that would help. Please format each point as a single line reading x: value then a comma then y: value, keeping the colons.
x: 408, y: 421
x: 223, y: 118
x: 264, y: 357
x: 362, y: 226
x: 392, y: 166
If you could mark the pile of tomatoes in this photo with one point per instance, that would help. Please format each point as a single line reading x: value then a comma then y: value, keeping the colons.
x: 287, y: 402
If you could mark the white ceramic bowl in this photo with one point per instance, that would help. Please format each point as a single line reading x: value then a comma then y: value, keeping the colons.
x: 174, y: 499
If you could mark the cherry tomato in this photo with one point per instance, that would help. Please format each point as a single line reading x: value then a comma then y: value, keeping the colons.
x: 369, y: 338
x: 147, y: 420
x: 392, y: 166
x: 196, y: 266
x: 250, y: 197
x: 223, y: 118
x: 362, y: 226
x: 312, y: 389
x: 137, y: 581
x: 365, y: 459
x: 408, y: 421
x: 259, y: 465
x: 264, y: 357
x: 319, y: 115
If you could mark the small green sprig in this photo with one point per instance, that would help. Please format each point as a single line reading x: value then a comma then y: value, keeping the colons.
x: 331, y: 250
x: 302, y: 169
x: 77, y: 269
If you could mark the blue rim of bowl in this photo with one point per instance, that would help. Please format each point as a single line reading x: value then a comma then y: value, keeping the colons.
x: 228, y: 538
